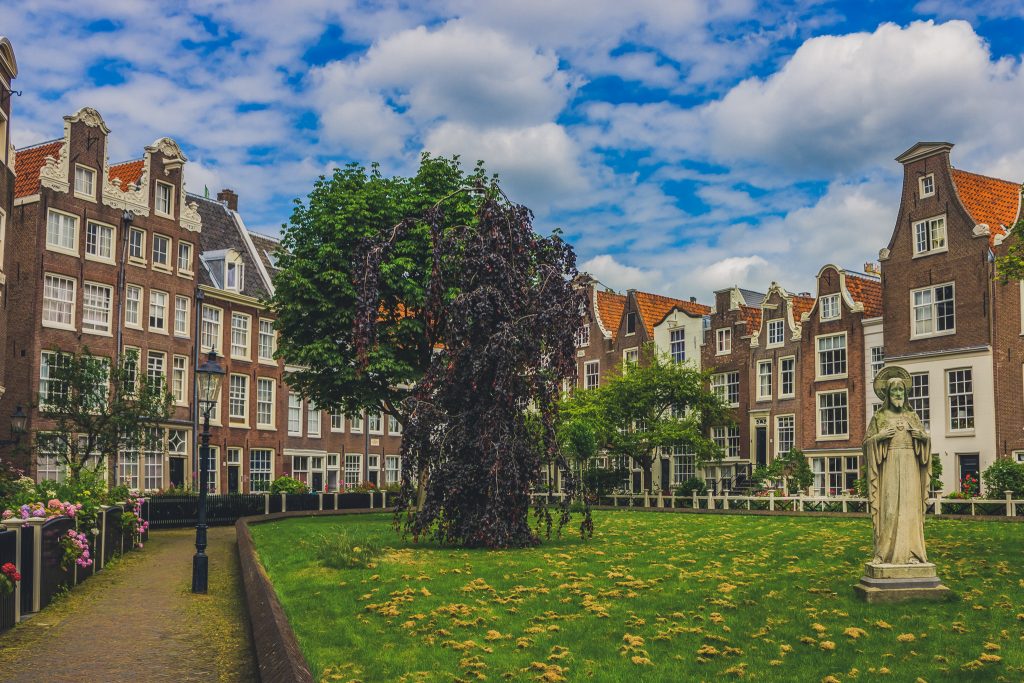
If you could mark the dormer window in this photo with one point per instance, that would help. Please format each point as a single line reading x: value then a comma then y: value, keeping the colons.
x: 164, y: 199
x: 234, y: 274
x: 85, y: 182
x: 631, y: 323
x: 927, y: 184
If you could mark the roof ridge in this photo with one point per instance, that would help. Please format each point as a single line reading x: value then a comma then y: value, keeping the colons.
x: 264, y: 235
x: 988, y: 177
x: 127, y: 161
x: 38, y: 144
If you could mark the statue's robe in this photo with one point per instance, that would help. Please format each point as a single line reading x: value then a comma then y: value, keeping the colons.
x: 899, y: 470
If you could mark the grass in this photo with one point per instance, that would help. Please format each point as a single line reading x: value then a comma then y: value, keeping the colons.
x: 652, y: 597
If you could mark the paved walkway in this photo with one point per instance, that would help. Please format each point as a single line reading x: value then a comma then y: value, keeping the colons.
x: 138, y: 621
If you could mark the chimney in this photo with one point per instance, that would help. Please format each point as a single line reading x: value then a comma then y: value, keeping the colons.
x: 229, y: 198
x: 871, y: 268
x: 693, y: 299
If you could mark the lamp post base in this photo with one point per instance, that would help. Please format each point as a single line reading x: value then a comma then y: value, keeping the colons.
x: 200, y: 572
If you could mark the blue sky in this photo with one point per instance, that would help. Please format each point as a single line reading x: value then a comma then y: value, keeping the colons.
x: 682, y: 145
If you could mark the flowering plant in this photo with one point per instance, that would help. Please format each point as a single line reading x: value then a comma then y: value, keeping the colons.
x: 969, y: 485
x: 49, y: 510
x: 131, y: 519
x: 76, y: 550
x: 9, y: 577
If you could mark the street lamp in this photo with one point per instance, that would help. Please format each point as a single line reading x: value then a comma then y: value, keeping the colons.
x: 18, y: 422
x: 208, y: 379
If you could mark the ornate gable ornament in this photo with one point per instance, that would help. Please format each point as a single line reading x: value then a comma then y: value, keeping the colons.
x: 188, y: 212
x: 170, y: 149
x: 55, y: 173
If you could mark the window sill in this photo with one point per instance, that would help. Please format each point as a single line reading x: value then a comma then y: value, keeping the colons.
x: 763, y: 399
x: 787, y: 396
x: 161, y: 268
x: 156, y: 330
x: 271, y: 363
x: 86, y: 197
x: 98, y: 333
x: 839, y: 437
x: 944, y: 333
x: 933, y: 252
x: 162, y: 214
x: 723, y: 353
x: 266, y: 428
x: 99, y: 259
x: 241, y: 358
x: 829, y: 378
x: 134, y: 327
x: 238, y: 425
x: 138, y: 263
x: 188, y: 275
x: 182, y: 335
x: 61, y: 250
x: 59, y: 326
x: 956, y: 434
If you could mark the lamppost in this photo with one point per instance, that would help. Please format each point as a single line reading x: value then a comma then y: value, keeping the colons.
x: 18, y: 422
x: 208, y: 378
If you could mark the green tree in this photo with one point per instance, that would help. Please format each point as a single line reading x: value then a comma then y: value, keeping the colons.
x: 1010, y: 266
x: 97, y: 411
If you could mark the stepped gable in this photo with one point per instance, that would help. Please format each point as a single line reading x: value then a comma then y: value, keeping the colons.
x: 654, y: 307
x: 609, y: 310
x: 989, y: 201
x: 27, y: 163
x: 866, y: 290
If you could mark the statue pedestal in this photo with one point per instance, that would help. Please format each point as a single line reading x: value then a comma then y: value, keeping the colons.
x: 889, y: 583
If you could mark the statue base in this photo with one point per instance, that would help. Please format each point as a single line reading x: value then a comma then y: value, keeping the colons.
x: 893, y: 583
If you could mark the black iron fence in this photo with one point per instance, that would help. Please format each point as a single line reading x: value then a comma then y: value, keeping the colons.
x: 27, y: 568
x: 8, y: 604
x: 111, y: 533
x: 53, y: 576
x: 168, y: 512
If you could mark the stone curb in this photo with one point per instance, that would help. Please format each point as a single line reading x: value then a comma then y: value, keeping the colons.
x: 279, y: 658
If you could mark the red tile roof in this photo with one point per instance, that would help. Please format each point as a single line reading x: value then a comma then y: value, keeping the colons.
x: 654, y: 308
x: 867, y: 291
x: 609, y: 309
x: 990, y: 201
x: 27, y: 164
x: 801, y: 305
x: 752, y: 314
x: 129, y: 172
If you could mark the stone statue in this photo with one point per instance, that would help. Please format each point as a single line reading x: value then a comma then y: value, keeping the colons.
x: 897, y: 453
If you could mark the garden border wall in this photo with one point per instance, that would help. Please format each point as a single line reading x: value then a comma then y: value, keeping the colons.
x: 279, y: 658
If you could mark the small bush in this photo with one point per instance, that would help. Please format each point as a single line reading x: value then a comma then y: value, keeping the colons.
x: 288, y: 485
x: 1004, y: 475
x: 688, y: 487
x: 341, y: 551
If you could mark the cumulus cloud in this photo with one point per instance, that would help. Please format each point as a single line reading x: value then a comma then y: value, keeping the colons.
x: 621, y: 277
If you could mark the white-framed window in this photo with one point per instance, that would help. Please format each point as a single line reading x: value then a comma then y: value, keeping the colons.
x: 184, y: 258
x: 392, y: 469
x: 787, y: 377
x: 210, y: 335
x: 833, y: 414
x: 829, y: 306
x: 156, y: 368
x: 238, y: 398
x: 96, y: 306
x: 832, y: 356
x: 764, y: 380
x: 727, y: 386
x: 372, y: 463
x: 834, y: 475
x: 877, y: 360
x: 591, y: 374
x: 49, y: 467
x: 355, y: 424
x: 153, y: 463
x: 266, y: 340
x: 394, y: 426
x: 157, y: 311
x: 131, y: 360
x: 338, y: 422
x: 161, y: 251
x: 723, y: 341
x: 240, y: 335
x: 99, y: 242
x: 312, y: 420
x: 630, y: 323
x: 128, y: 469
x: 179, y: 379
x: 930, y: 236
x: 776, y: 332
x: 177, y: 441
x: 213, y: 469
x: 164, y: 199
x: 294, y: 414
x: 927, y: 185
x: 683, y: 465
x: 261, y: 469
x: 583, y: 335
x: 265, y: 402
x: 785, y: 434
x: 50, y: 387
x: 234, y: 456
x: 960, y: 399
x: 85, y: 182
x: 630, y: 357
x: 728, y: 439
x: 375, y: 423
x: 62, y: 232
x: 677, y: 345
x: 300, y: 467
x: 133, y: 306
x: 182, y: 306
x: 59, y: 301
x: 234, y: 275
x: 353, y: 469
x: 934, y: 311
x: 137, y: 244
x: 918, y: 399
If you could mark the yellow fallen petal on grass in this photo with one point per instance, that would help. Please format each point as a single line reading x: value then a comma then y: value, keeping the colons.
x: 819, y: 628
x: 493, y: 635
x: 906, y: 638
x: 991, y: 647
x: 827, y: 645
x: 882, y: 624
x: 855, y: 632
x: 641, y: 661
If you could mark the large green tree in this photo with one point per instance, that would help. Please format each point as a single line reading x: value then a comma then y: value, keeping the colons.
x: 1010, y: 266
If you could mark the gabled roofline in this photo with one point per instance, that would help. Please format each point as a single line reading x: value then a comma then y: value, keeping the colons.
x: 922, y: 150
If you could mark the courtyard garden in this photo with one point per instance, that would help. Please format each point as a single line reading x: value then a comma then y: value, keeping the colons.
x: 651, y: 597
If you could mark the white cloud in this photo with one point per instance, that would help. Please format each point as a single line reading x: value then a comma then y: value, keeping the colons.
x: 621, y: 277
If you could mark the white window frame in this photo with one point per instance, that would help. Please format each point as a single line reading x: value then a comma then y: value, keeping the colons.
x: 169, y: 213
x: 152, y: 355
x: 265, y: 381
x: 933, y: 227
x: 583, y: 335
x: 139, y: 260
x: 187, y: 246
x: 818, y: 351
x: 630, y: 357
x: 353, y: 465
x: 46, y: 362
x: 128, y: 308
x: 3, y: 225
x: 829, y: 307
x: 90, y: 173
x: 234, y: 399
x: 375, y: 419
x: 876, y: 361
x: 314, y: 421
x: 294, y: 414
x: 57, y: 324
x: 167, y: 265
x: 66, y: 218
x: 594, y: 365
x: 764, y: 380
x: 915, y: 395
x: 677, y: 345
x: 388, y: 469
x: 167, y: 300
x: 818, y: 415
x: 721, y: 383
x: 337, y: 423
x: 179, y: 379
x: 394, y: 426
x: 216, y: 335
x: 269, y: 452
x: 238, y: 350
x: 261, y: 337
x: 782, y: 379
x: 186, y: 310
x: 791, y: 418
x: 213, y: 470
x: 723, y: 341
x: 89, y: 256
x: 775, y: 325
x: 104, y: 331
x: 355, y: 426
x: 933, y: 310
x: 970, y: 420
x: 922, y: 184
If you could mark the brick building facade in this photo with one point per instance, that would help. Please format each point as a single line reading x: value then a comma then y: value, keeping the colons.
x: 8, y: 72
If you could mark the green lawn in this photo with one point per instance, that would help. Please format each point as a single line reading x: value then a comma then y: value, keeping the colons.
x: 652, y: 597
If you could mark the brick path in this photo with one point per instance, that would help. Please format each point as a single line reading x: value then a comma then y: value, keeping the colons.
x: 138, y: 621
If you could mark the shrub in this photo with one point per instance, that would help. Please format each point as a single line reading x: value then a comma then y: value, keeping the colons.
x: 288, y: 485
x: 688, y: 487
x: 341, y: 551
x: 1004, y: 475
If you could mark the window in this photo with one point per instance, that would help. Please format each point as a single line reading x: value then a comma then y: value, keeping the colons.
x: 353, y: 469
x: 312, y: 420
x: 728, y: 439
x: 832, y: 356
x: 631, y: 323
x: 49, y: 468
x: 877, y: 360
x: 156, y: 368
x: 392, y: 469
x: 294, y: 415
x: 833, y: 414
x: 212, y: 470
x: 373, y: 462
x: 181, y: 309
x: 630, y: 357
x: 834, y: 475
x: 240, y: 335
x: 234, y: 275
x: 918, y: 397
x: 184, y: 258
x: 776, y: 332
x: 723, y: 338
x: 210, y: 334
x: 132, y: 306
x: 829, y: 306
x: 96, y: 307
x: 161, y: 251
x: 394, y: 426
x: 137, y: 244
x: 960, y: 399
x: 157, y: 310
x: 264, y: 402
x: 62, y: 232
x: 727, y: 386
x: 764, y: 380
x: 337, y: 422
x: 153, y: 462
x: 58, y: 302
x: 933, y: 309
x: 164, y: 201
x: 234, y: 456
x: 583, y: 335
x: 677, y: 345
x: 300, y: 467
x: 591, y: 374
x: 266, y: 340
x: 787, y: 376
x: 260, y: 468
x: 785, y: 434
x: 927, y: 185
x: 930, y: 236
x: 177, y: 441
x: 99, y: 241
x: 179, y: 379
x: 85, y: 182
x: 131, y: 367
x: 375, y: 423
x: 128, y: 469
x: 238, y: 398
x: 50, y: 387
x: 683, y: 465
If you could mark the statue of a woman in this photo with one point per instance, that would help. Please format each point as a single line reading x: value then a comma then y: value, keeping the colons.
x: 898, y: 454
